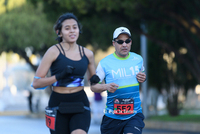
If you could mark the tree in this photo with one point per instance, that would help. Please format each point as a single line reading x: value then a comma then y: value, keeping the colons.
x: 172, y: 25
x: 25, y: 28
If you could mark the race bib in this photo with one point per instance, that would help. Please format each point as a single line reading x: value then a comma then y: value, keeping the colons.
x: 50, y: 115
x: 123, y: 106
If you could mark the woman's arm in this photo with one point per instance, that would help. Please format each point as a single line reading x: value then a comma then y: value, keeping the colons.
x: 91, y: 65
x: 44, y: 67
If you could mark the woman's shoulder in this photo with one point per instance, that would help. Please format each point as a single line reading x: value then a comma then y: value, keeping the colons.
x: 88, y: 52
x: 52, y: 51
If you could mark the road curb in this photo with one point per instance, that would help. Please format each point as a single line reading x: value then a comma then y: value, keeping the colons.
x: 13, y: 113
x: 179, y: 126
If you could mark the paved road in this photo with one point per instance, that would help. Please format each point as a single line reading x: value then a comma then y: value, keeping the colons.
x: 28, y: 125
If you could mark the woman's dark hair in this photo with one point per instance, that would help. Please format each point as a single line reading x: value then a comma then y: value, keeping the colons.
x: 58, y: 25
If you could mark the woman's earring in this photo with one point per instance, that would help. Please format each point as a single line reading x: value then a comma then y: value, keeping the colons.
x: 59, y: 38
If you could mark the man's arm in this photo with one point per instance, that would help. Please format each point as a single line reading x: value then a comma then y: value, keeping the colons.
x: 98, y: 88
x: 141, y: 77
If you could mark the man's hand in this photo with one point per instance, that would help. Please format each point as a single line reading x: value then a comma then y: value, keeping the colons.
x: 141, y: 77
x: 111, y: 87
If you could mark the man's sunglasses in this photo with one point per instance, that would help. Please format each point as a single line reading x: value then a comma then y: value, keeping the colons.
x: 121, y: 41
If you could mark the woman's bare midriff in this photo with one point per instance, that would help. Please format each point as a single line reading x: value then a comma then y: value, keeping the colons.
x: 67, y: 90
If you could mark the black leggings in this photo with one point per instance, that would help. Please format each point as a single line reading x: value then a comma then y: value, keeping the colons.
x: 66, y: 123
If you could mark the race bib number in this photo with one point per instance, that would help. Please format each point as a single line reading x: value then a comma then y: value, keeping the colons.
x: 50, y: 115
x: 123, y: 106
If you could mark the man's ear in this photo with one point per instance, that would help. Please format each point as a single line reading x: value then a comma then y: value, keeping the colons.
x: 113, y: 42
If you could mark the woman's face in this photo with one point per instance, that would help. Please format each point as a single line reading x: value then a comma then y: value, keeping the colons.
x: 70, y: 31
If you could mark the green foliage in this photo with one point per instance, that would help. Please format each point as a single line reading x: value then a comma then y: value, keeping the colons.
x: 180, y: 118
x: 171, y: 25
x: 25, y: 27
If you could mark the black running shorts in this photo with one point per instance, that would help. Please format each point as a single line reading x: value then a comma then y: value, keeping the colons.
x: 66, y: 123
x: 113, y: 126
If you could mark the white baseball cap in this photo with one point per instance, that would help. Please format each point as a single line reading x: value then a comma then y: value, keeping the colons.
x: 121, y: 30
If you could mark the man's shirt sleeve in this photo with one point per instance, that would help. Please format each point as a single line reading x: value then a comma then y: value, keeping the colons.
x: 100, y: 72
x: 142, y: 68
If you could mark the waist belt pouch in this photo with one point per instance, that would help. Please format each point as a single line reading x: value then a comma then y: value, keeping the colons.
x: 71, y: 107
x: 50, y: 115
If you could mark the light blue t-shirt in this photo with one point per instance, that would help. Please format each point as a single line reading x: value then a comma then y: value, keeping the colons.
x: 122, y: 71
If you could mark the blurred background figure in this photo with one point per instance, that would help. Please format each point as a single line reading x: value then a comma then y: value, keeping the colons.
x: 98, y: 106
x: 30, y: 96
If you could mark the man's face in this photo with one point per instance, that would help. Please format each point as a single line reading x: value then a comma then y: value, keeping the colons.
x: 122, y: 50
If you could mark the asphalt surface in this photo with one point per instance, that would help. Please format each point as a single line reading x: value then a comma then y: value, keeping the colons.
x: 17, y: 120
x: 26, y: 124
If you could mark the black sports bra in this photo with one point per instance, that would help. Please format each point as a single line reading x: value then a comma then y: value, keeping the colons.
x: 77, y: 77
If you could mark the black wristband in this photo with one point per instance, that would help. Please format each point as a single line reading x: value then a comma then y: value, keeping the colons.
x: 94, y: 79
